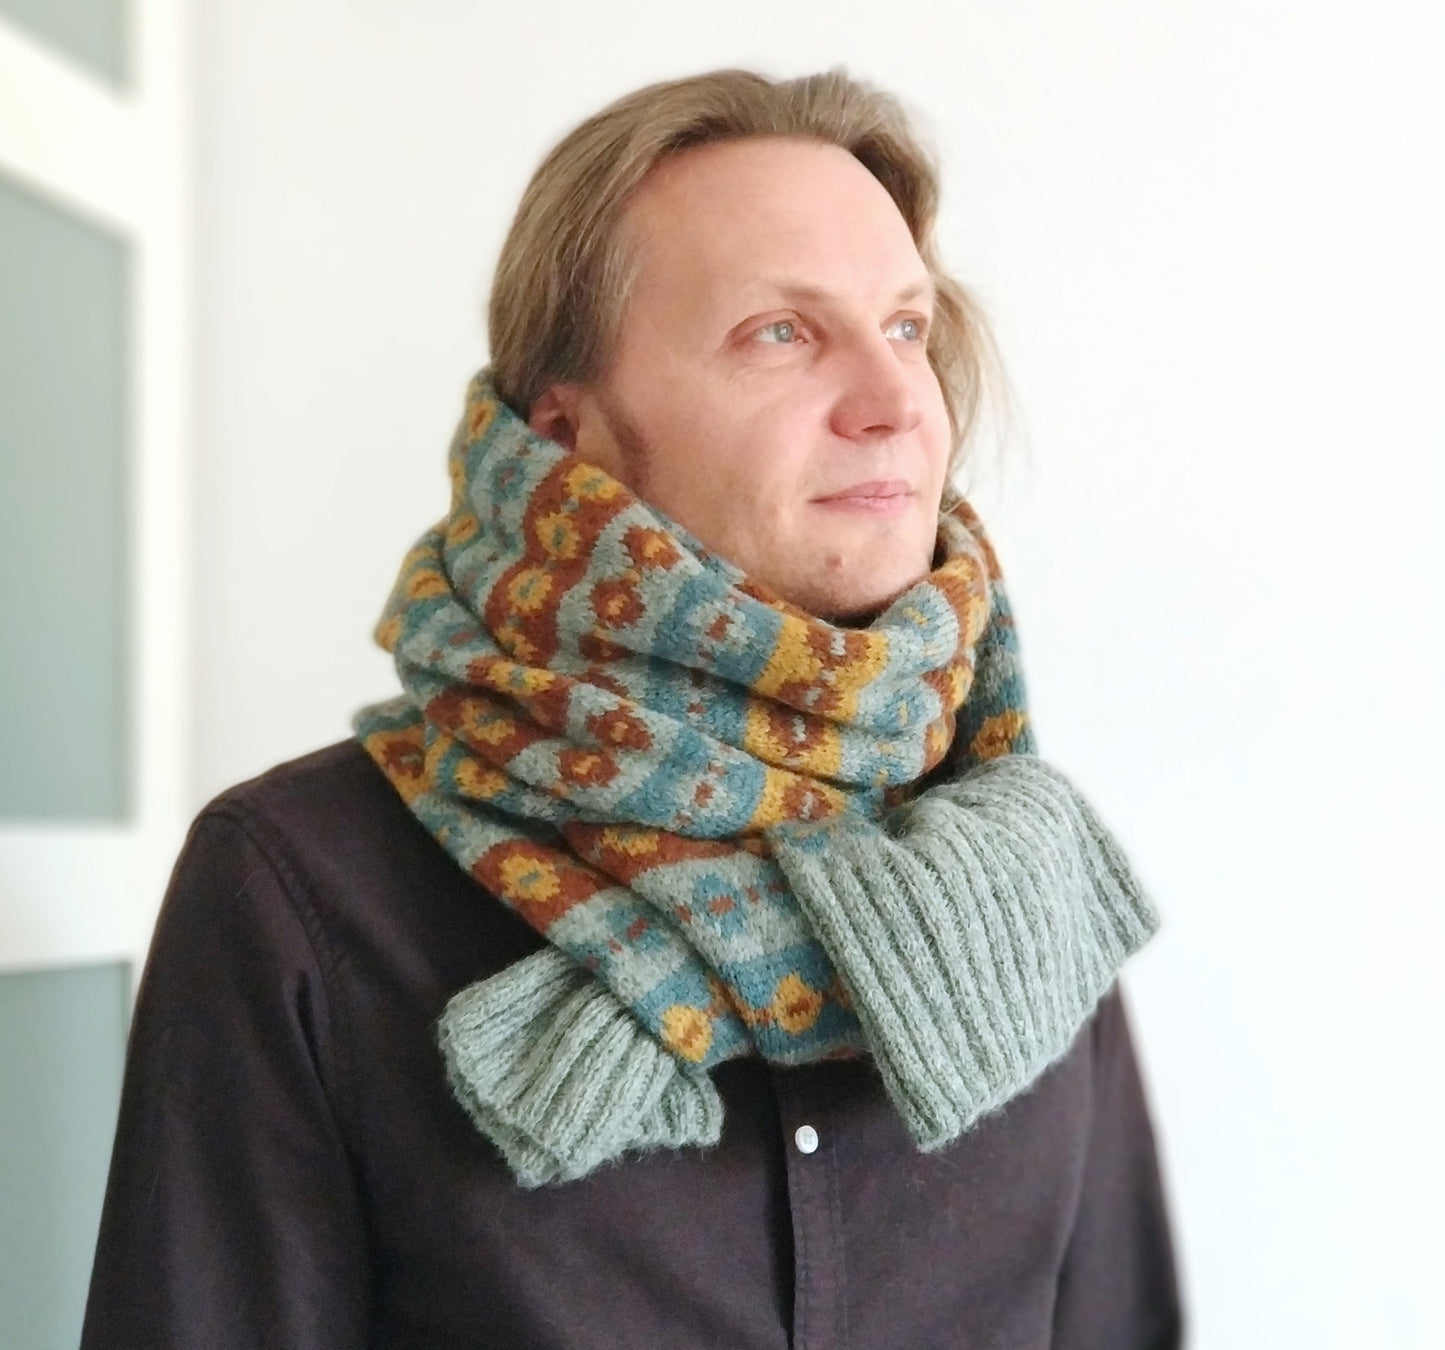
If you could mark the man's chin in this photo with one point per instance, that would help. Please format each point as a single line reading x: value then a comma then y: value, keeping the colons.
x: 857, y: 604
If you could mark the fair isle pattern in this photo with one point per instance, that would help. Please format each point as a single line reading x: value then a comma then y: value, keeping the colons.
x: 600, y: 718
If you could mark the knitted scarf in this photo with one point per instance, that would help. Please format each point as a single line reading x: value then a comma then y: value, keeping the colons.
x: 741, y: 829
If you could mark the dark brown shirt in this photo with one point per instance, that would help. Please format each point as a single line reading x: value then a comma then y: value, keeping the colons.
x: 291, y: 1170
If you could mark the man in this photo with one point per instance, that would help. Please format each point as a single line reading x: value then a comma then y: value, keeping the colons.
x: 696, y: 954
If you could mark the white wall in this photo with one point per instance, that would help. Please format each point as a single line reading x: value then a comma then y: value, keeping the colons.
x: 1209, y: 236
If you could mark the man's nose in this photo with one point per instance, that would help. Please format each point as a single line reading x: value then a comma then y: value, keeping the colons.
x: 877, y: 396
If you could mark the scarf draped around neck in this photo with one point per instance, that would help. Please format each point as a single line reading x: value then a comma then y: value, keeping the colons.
x: 741, y: 829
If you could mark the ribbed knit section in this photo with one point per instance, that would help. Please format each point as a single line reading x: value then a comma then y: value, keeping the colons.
x: 562, y: 1077
x: 976, y: 932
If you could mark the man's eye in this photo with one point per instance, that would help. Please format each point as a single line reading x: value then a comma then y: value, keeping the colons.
x: 910, y: 330
x: 782, y: 331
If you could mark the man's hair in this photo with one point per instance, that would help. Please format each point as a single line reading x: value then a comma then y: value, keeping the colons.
x: 564, y: 273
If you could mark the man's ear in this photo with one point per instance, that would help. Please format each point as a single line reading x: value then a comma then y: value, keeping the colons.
x: 554, y: 415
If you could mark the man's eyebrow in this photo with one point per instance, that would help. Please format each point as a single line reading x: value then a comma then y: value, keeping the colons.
x: 923, y: 288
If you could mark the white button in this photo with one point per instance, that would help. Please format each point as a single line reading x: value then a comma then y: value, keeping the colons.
x: 806, y: 1138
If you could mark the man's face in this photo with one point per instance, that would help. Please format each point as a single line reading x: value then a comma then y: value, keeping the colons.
x: 771, y: 389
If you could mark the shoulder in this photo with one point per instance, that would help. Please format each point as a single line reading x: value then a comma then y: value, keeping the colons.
x: 358, y: 871
x: 262, y: 858
x: 1113, y: 1040
x: 1121, y: 1108
x: 328, y: 802
x: 333, y: 830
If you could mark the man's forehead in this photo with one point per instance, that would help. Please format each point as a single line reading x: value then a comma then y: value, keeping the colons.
x: 777, y: 221
x: 773, y: 186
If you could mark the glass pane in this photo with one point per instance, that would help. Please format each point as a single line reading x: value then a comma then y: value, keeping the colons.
x: 62, y: 1051
x: 64, y: 738
x: 92, y: 32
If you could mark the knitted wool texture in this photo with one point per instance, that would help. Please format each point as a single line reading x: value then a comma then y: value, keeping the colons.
x: 712, y: 806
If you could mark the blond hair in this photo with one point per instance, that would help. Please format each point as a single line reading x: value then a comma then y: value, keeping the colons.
x: 564, y: 273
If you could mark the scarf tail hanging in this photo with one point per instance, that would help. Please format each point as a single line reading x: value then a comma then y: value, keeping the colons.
x: 561, y: 1076
x: 976, y: 945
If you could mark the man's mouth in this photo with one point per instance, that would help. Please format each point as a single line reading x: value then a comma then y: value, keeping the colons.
x: 878, y: 496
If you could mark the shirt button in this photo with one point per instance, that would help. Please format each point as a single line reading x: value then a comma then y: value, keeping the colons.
x: 806, y: 1138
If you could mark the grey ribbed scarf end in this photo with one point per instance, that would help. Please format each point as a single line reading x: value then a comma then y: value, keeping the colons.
x: 976, y: 930
x: 562, y: 1077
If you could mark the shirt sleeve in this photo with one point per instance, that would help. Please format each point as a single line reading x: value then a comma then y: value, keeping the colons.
x: 232, y: 1216
x: 1118, y: 1287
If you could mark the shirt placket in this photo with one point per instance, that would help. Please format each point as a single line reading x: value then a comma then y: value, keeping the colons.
x: 810, y: 1144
